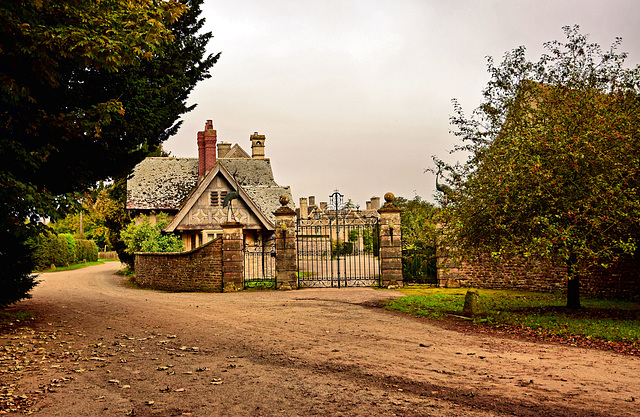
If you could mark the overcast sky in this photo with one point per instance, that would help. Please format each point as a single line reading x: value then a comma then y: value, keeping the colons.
x: 356, y: 95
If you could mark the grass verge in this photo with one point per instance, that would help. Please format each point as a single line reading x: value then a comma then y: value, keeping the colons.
x: 74, y: 266
x: 544, y: 314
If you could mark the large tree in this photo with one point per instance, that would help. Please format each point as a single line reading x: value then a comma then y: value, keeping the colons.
x: 86, y: 90
x: 553, y: 166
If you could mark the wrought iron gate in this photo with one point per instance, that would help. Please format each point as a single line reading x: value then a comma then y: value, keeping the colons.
x: 260, y: 264
x: 339, y: 250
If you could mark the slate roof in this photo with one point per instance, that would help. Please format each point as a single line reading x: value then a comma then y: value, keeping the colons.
x: 166, y: 183
x: 255, y: 176
x: 161, y: 183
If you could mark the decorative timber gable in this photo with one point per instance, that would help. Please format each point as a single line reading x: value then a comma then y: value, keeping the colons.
x: 204, y: 208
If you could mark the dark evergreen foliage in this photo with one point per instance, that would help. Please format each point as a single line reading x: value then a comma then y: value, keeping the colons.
x: 69, y: 120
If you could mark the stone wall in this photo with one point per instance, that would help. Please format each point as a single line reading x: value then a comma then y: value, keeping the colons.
x: 622, y: 281
x: 196, y: 270
x: 510, y: 274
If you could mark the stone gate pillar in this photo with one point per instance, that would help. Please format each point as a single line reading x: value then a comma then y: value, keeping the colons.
x: 232, y: 256
x: 286, y: 267
x: 390, y: 244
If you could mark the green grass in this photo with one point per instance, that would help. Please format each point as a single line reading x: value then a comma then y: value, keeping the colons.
x: 259, y: 285
x: 126, y: 271
x: 74, y: 266
x: 11, y: 317
x: 614, y: 321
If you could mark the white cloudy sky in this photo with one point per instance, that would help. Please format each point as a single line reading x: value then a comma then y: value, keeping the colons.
x: 356, y: 94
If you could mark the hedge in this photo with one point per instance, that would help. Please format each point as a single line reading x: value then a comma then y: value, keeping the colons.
x: 61, y: 250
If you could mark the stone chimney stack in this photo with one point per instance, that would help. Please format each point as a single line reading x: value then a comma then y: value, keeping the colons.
x: 223, y: 149
x: 324, y: 205
x: 312, y: 200
x: 368, y: 205
x: 206, y: 149
x: 304, y: 208
x: 257, y: 146
x: 375, y: 203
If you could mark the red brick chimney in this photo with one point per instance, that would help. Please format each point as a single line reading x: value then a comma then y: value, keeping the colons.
x: 206, y: 149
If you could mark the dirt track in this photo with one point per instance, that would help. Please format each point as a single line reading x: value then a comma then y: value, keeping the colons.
x: 100, y: 348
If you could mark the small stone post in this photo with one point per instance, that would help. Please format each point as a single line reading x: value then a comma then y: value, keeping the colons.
x: 232, y: 256
x: 390, y: 244
x: 286, y: 268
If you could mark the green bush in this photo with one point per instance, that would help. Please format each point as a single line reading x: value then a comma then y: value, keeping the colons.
x: 70, y: 251
x: 60, y: 250
x: 86, y: 250
x: 341, y: 248
x: 16, y: 279
x: 147, y: 237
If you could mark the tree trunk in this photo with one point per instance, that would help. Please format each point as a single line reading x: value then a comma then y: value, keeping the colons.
x: 573, y: 292
x: 573, y: 282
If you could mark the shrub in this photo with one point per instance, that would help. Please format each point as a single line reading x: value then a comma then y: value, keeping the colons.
x: 70, y: 252
x: 16, y: 279
x: 86, y: 251
x: 60, y: 250
x: 147, y: 237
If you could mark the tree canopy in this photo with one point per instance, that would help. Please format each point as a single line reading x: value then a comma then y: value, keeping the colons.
x: 553, y: 160
x: 87, y: 89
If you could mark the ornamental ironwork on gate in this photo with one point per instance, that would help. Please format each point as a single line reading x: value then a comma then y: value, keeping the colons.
x: 338, y: 247
x: 260, y: 263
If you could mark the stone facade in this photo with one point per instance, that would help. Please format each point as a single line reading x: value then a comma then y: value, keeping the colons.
x: 197, y: 270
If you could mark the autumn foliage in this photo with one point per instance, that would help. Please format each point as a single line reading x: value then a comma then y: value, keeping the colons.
x: 553, y: 162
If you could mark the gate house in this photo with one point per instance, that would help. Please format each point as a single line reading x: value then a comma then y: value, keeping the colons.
x: 346, y: 252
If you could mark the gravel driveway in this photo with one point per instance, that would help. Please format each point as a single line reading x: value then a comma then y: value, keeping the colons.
x: 98, y: 347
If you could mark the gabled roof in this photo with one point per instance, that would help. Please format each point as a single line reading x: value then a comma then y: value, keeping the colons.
x: 235, y: 152
x: 255, y: 176
x: 168, y: 183
x: 161, y: 183
x: 256, y: 187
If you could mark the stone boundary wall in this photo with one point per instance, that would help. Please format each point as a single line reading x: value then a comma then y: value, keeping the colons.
x: 196, y: 270
x: 619, y: 282
x: 622, y: 281
x: 511, y: 274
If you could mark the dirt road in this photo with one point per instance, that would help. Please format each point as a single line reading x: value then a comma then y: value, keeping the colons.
x: 98, y: 347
